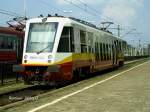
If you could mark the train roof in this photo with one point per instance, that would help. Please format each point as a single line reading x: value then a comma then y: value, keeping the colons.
x: 72, y: 20
x: 11, y: 31
x: 67, y: 19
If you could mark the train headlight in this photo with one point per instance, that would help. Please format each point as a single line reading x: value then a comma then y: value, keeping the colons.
x: 50, y: 57
x: 25, y: 61
x: 25, y: 56
x: 49, y: 61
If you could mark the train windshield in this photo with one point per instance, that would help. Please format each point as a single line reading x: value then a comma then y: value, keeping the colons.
x: 41, y: 37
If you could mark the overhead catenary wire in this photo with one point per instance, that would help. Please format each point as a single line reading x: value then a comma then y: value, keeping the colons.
x: 12, y: 17
x: 10, y: 13
x: 93, y: 10
x: 48, y: 5
x: 96, y: 11
x: 87, y: 9
x: 81, y: 8
x: 78, y: 4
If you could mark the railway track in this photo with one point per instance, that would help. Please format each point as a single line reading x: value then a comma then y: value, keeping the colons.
x: 33, y: 92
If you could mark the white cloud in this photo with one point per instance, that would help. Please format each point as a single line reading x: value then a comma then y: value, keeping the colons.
x: 122, y: 11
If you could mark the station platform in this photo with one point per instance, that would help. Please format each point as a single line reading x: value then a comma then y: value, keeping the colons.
x: 126, y: 91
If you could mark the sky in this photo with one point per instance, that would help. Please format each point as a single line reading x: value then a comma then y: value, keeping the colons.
x: 132, y: 15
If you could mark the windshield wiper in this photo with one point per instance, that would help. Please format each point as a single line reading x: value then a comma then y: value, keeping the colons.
x: 43, y: 49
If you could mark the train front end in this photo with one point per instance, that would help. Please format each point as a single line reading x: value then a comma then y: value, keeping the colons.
x: 42, y: 61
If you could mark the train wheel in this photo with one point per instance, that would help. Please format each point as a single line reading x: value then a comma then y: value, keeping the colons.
x: 86, y: 72
x: 27, y: 80
x: 76, y: 75
x: 121, y: 63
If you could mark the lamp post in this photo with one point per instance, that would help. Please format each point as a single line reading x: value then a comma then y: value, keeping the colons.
x: 24, y: 8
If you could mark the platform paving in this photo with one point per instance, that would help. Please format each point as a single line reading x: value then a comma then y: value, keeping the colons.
x: 127, y: 92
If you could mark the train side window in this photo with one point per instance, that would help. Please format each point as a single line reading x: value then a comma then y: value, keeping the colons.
x: 120, y: 46
x: 105, y: 52
x: 90, y: 42
x: 1, y: 42
x: 83, y: 41
x: 6, y: 42
x: 108, y: 57
x: 113, y: 50
x: 96, y: 51
x: 66, y: 43
x: 99, y: 57
x: 104, y: 48
x: 110, y: 51
x: 101, y: 52
x: 10, y: 43
x: 72, y: 46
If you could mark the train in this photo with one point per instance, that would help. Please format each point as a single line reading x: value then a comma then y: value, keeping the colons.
x: 11, y: 45
x: 59, y: 49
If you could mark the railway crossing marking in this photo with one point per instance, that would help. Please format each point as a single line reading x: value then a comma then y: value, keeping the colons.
x: 81, y: 90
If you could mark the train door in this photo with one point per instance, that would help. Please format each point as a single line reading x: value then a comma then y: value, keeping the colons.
x: 77, y: 46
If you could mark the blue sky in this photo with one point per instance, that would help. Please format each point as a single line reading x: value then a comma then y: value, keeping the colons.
x: 130, y: 14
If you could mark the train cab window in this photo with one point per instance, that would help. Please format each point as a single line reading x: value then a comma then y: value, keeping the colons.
x: 66, y: 43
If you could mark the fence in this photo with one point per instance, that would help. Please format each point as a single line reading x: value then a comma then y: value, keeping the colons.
x: 7, y: 74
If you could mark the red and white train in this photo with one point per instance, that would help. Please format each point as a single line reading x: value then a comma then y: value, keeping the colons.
x: 11, y: 45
